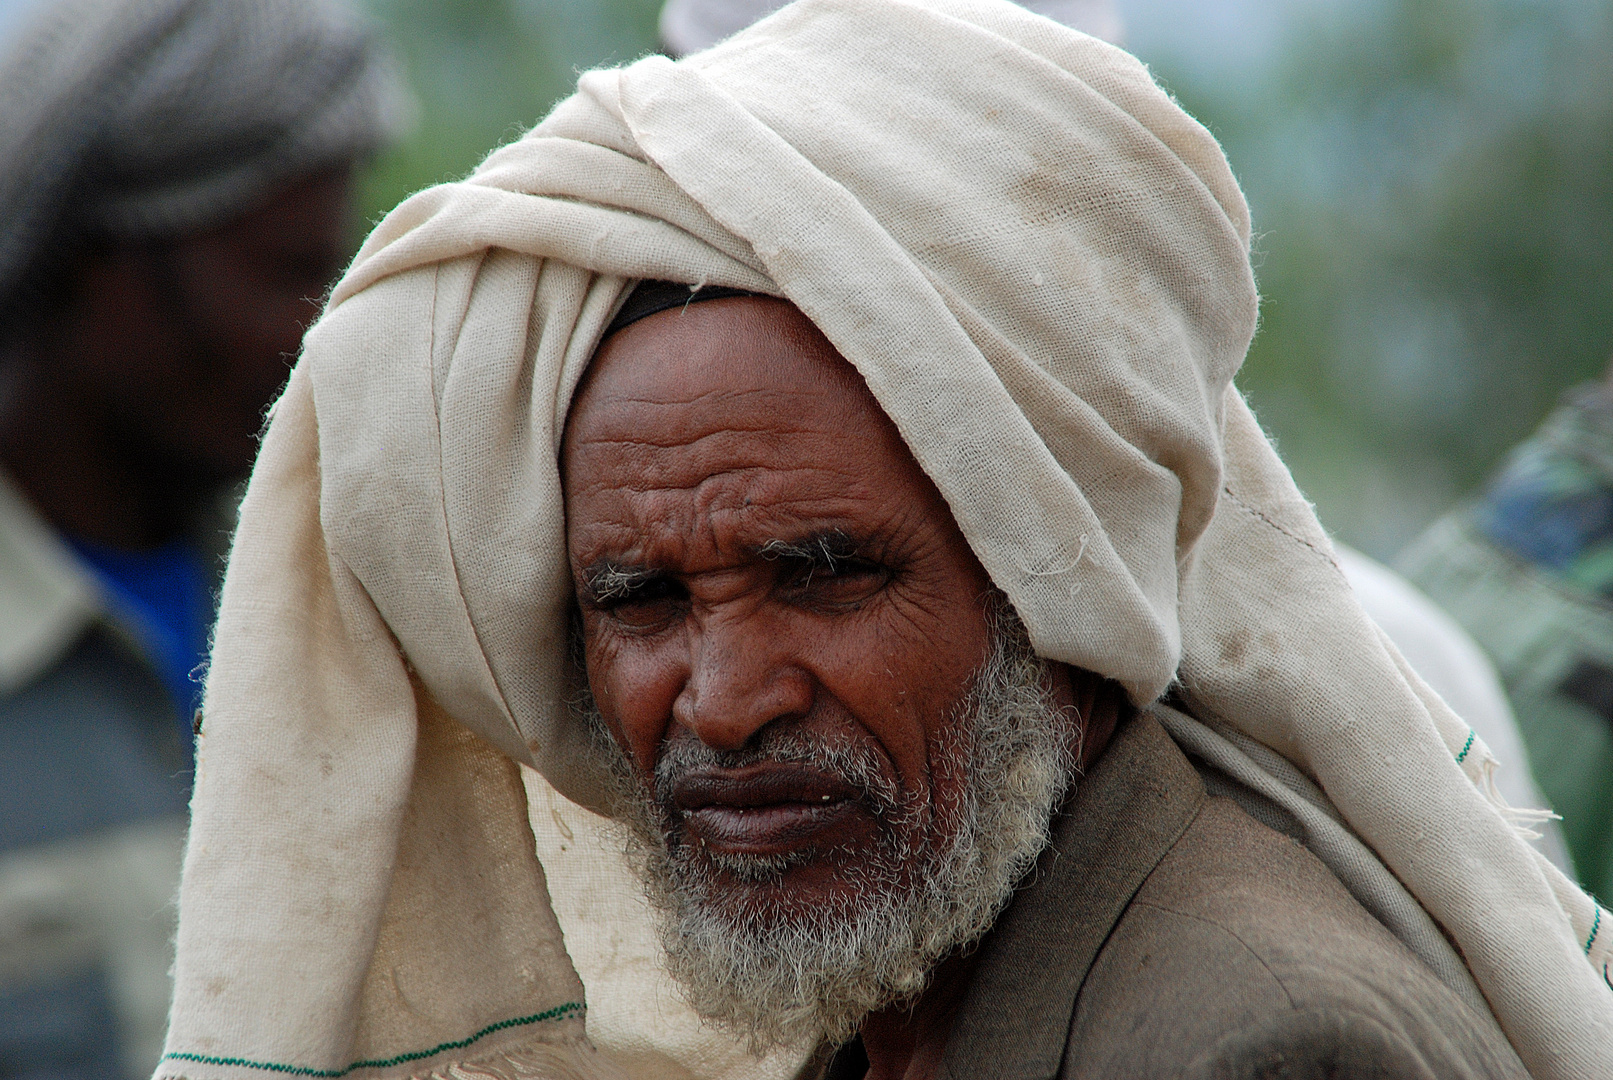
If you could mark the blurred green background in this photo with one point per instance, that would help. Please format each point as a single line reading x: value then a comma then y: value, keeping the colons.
x: 1431, y: 181
x: 483, y: 71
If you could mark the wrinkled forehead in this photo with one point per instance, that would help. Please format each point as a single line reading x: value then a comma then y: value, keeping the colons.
x: 672, y: 354
x: 737, y: 405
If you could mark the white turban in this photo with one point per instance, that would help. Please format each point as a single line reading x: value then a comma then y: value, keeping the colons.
x: 1040, y: 266
x: 151, y: 117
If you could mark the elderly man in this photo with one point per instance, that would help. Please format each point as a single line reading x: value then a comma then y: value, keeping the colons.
x: 820, y: 455
x: 174, y: 179
x: 853, y: 755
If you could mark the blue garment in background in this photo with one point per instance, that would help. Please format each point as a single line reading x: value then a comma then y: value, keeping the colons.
x: 162, y: 594
x: 1552, y: 503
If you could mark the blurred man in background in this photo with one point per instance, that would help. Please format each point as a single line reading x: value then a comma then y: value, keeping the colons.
x: 1528, y: 569
x: 174, y: 188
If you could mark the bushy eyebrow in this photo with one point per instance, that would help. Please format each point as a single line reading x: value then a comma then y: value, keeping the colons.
x: 605, y: 582
x: 819, y: 550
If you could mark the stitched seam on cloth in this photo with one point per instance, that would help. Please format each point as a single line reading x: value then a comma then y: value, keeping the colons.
x: 1063, y: 212
x: 1276, y: 978
x: 431, y: 352
x: 1471, y: 735
x: 557, y: 1013
x: 1252, y: 512
x: 1596, y: 926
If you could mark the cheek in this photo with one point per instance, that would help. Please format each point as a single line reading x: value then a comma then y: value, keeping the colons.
x: 634, y: 683
x: 901, y: 673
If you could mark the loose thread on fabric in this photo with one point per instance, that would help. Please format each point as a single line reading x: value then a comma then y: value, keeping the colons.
x: 1079, y: 555
x: 1522, y: 819
x: 559, y: 1012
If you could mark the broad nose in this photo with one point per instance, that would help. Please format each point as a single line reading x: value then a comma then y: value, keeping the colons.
x: 743, y: 675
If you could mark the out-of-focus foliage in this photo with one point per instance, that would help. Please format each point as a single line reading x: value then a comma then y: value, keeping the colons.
x: 484, y: 71
x: 1432, y: 182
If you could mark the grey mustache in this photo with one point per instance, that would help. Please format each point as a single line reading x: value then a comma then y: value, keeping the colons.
x: 858, y: 767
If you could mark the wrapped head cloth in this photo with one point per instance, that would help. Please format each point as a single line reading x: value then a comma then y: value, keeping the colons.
x: 1040, y: 266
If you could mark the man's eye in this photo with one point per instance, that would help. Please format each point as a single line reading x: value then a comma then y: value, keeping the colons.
x: 843, y: 581
x: 643, y: 605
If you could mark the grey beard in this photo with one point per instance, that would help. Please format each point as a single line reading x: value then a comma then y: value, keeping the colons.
x: 788, y: 977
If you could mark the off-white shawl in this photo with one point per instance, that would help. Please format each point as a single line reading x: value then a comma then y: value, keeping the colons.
x: 1040, y: 265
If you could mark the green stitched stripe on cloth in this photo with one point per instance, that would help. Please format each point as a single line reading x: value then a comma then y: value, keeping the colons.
x: 1471, y: 735
x: 556, y: 1013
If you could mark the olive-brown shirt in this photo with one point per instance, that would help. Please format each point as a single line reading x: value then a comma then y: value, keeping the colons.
x: 1165, y: 933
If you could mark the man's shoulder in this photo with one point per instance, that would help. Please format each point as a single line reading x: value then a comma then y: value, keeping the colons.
x: 1242, y: 952
x: 1166, y: 933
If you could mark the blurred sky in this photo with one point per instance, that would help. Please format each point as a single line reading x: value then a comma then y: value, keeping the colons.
x: 1233, y: 40
x: 10, y: 10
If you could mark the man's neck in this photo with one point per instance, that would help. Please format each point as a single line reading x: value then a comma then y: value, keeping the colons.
x: 908, y: 1042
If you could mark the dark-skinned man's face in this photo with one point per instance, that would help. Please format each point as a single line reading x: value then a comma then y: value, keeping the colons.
x: 785, y: 632
x: 139, y: 390
x: 181, y: 344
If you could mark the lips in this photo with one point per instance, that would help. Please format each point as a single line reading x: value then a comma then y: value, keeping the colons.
x: 763, y: 809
